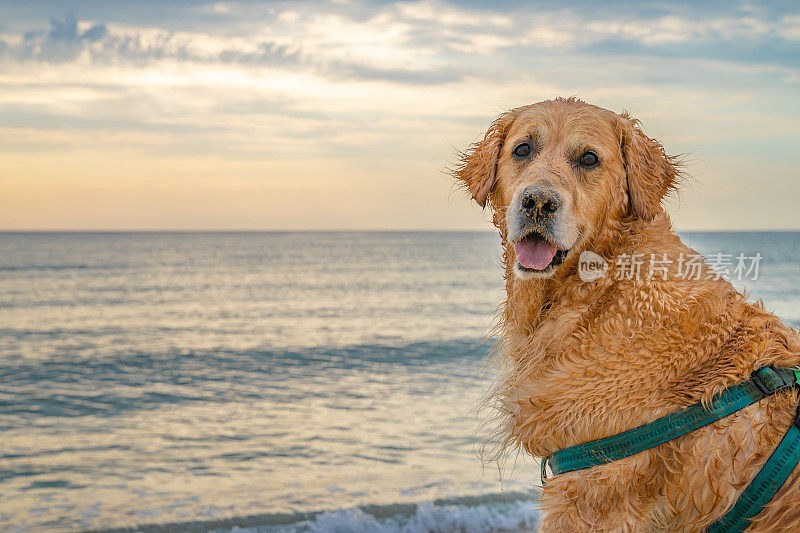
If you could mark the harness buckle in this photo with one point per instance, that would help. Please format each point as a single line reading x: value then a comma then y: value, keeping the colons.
x: 797, y: 416
x: 770, y: 387
x: 796, y: 370
x: 544, y: 470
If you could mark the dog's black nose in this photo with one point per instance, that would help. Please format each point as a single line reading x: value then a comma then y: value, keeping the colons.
x: 539, y: 203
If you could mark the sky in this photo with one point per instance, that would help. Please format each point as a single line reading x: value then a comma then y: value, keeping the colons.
x: 346, y: 115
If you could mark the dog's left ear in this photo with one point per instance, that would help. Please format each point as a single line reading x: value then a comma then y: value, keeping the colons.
x: 650, y: 172
x: 478, y: 167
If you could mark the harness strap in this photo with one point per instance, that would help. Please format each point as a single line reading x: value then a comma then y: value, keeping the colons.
x: 764, y: 486
x: 763, y: 382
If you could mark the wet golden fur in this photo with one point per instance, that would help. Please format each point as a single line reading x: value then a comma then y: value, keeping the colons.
x: 582, y: 361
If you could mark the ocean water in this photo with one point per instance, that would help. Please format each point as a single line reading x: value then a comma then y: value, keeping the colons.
x: 267, y: 381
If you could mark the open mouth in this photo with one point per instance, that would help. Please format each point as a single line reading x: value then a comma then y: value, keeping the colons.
x: 537, y: 254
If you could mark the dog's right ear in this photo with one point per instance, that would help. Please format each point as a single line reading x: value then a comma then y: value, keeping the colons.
x: 478, y: 166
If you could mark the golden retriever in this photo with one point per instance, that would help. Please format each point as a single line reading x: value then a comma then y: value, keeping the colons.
x: 584, y: 360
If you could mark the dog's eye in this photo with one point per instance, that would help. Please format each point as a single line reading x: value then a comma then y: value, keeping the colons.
x: 589, y: 159
x: 522, y: 150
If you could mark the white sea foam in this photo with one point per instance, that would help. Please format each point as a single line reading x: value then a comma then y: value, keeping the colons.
x: 499, y: 517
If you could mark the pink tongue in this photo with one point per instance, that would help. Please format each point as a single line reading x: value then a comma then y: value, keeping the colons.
x: 535, y: 254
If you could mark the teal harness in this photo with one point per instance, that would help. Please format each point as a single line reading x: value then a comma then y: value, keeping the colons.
x: 762, y: 383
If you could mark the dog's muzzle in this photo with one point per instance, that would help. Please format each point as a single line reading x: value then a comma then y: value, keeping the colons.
x: 536, y: 240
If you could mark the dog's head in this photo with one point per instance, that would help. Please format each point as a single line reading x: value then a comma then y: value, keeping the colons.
x: 557, y: 172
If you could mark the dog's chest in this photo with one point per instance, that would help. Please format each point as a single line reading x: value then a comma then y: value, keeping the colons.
x: 581, y: 382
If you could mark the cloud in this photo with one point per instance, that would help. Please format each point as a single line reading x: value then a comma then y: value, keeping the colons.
x: 790, y: 28
x: 357, y: 74
x: 321, y: 50
x: 423, y: 42
x: 63, y: 42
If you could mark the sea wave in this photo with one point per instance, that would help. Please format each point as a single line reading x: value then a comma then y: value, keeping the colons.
x: 509, y: 512
x: 70, y: 385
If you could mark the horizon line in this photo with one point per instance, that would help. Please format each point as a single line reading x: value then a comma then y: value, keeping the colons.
x: 348, y: 230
